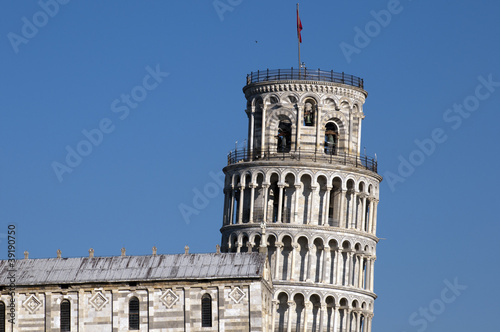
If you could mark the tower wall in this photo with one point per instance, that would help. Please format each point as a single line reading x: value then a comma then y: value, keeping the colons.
x: 302, y: 192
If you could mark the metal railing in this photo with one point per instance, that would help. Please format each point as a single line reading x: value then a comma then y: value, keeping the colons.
x: 339, y: 156
x: 304, y: 74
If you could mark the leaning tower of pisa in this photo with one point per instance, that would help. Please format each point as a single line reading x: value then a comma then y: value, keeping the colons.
x: 302, y: 192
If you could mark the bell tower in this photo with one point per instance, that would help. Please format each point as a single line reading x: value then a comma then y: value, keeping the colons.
x: 303, y: 193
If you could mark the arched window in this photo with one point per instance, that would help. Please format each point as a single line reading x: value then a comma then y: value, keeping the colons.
x: 65, y: 316
x: 133, y: 314
x: 284, y: 135
x: 331, y: 138
x: 309, y: 114
x: 206, y: 311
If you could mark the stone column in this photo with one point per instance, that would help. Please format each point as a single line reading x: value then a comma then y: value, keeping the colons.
x: 279, y: 249
x: 360, y: 271
x: 370, y: 215
x: 326, y: 259
x: 263, y: 131
x: 296, y: 208
x: 231, y: 207
x: 291, y: 309
x: 327, y: 205
x: 348, y: 319
x: 372, y: 270
x: 294, y: 254
x: 335, y: 320
x: 308, y: 308
x: 338, y: 266
x: 374, y: 217
x: 363, y: 213
x: 240, y: 205
x: 351, y: 194
x: 280, y: 202
x: 274, y: 309
x: 358, y: 321
x: 317, y: 112
x: 342, y: 207
x: 310, y: 250
x: 299, y: 126
x: 350, y: 265
x: 311, y: 205
x: 251, y: 133
x: 225, y: 213
x: 265, y: 188
x: 252, y: 196
x: 322, y: 318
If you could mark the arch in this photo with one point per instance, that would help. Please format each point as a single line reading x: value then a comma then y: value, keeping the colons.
x: 298, y: 299
x: 289, y: 197
x: 316, y: 306
x: 305, y: 196
x: 331, y: 140
x: 273, y: 198
x: 303, y: 243
x: 206, y: 310
x: 256, y: 242
x: 286, y: 258
x: 333, y: 269
x: 282, y: 310
x: 280, y: 126
x: 310, y: 111
x: 259, y: 197
x: 272, y: 251
x: 322, y: 211
x: 272, y: 99
x: 65, y: 316
x: 233, y: 243
x: 318, y: 259
x: 329, y: 101
x: 133, y: 313
x: 334, y: 208
x: 343, y: 309
x: 244, y: 243
x: 291, y: 97
x: 284, y: 134
x: 336, y: 117
x: 330, y: 305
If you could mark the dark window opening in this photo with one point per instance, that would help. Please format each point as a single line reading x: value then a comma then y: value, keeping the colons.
x: 206, y: 311
x: 284, y: 136
x: 309, y: 114
x: 65, y: 316
x: 133, y: 314
x: 331, y: 138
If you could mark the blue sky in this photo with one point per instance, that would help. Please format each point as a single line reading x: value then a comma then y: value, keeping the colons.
x: 431, y: 71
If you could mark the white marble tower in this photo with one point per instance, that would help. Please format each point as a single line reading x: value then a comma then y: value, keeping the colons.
x: 302, y: 192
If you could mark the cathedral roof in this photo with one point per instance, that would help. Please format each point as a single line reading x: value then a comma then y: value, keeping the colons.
x: 134, y: 268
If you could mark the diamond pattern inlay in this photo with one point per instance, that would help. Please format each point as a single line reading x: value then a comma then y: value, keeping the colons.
x: 98, y: 300
x: 32, y: 304
x: 237, y: 294
x: 169, y: 298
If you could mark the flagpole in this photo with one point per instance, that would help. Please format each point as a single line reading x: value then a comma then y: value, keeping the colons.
x: 298, y: 36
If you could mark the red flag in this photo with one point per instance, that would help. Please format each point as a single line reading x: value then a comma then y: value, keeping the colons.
x: 299, y: 26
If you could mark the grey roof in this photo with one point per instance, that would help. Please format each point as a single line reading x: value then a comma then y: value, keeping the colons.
x: 134, y: 268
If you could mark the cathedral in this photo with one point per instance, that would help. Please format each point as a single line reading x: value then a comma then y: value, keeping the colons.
x: 298, y: 240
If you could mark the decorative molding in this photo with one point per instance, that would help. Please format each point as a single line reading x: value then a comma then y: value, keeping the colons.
x: 32, y: 304
x: 98, y: 300
x: 169, y: 298
x: 237, y: 294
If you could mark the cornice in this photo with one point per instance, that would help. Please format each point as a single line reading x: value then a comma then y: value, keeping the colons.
x: 338, y: 89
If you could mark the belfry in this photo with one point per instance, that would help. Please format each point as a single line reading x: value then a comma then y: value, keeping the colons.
x: 301, y: 192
